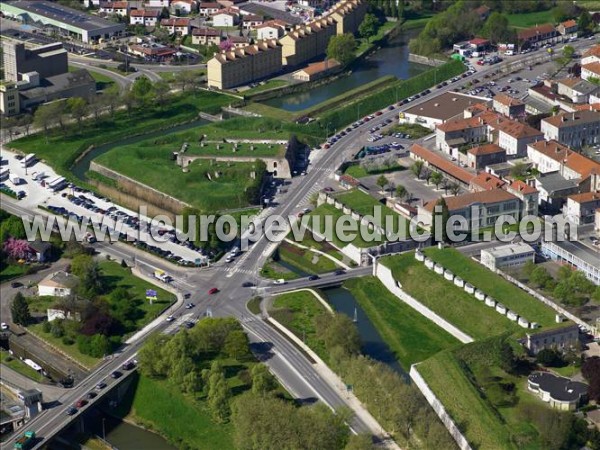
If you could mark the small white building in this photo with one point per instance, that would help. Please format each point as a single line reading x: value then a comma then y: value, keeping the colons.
x: 225, y: 19
x: 507, y: 256
x: 183, y: 7
x: 57, y: 284
x: 145, y: 17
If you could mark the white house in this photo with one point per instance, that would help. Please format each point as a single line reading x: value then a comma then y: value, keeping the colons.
x: 225, y: 19
x: 176, y: 25
x: 145, y: 17
x: 580, y: 209
x: 272, y: 29
x: 183, y: 7
x: 590, y: 70
x: 591, y: 56
x: 117, y: 8
x: 57, y: 284
x: 157, y: 3
x: 574, y: 129
x: 208, y: 9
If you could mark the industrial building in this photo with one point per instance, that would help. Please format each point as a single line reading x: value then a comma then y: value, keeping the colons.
x: 67, y: 21
x: 47, y: 60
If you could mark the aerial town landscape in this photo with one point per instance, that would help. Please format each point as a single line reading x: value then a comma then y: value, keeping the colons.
x: 300, y: 224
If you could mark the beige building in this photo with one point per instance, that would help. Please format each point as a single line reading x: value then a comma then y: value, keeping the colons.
x: 575, y: 129
x: 508, y: 106
x: 47, y: 60
x: 316, y: 70
x: 306, y: 42
x: 272, y: 29
x: 244, y: 65
x: 10, y: 103
x: 348, y: 15
x: 206, y: 36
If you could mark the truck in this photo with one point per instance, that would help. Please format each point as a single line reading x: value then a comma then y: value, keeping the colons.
x: 162, y: 276
x: 57, y: 184
x: 28, y: 160
x: 26, y: 441
x: 15, y: 179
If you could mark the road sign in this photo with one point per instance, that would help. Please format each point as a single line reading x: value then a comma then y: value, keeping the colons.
x: 151, y: 295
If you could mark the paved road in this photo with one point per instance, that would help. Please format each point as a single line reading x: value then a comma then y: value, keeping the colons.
x: 290, y: 366
x: 13, y: 378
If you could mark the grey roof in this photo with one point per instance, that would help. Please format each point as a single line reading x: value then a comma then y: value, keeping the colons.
x: 446, y: 106
x: 579, y: 250
x: 585, y: 87
x: 554, y: 182
x: 63, y: 14
x: 63, y: 279
x: 538, y: 105
x: 559, y: 388
x: 40, y: 246
x: 59, y: 83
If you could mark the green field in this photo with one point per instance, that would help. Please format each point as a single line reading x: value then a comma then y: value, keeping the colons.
x: 303, y: 259
x: 271, y: 84
x: 273, y: 271
x: 60, y: 150
x: 19, y: 366
x: 452, y: 303
x: 503, y: 291
x: 10, y: 271
x: 411, y: 336
x: 364, y: 204
x: 184, y: 422
x: 297, y: 311
x: 153, y: 166
x: 526, y: 20
x: 358, y: 171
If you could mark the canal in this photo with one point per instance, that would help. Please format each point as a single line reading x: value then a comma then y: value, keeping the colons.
x: 392, y: 59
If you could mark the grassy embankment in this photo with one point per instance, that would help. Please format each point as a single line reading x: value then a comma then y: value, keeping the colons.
x: 19, y: 366
x: 532, y: 19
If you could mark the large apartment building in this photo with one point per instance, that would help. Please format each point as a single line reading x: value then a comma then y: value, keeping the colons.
x: 306, y: 42
x: 244, y: 65
x: 575, y: 129
x: 348, y: 15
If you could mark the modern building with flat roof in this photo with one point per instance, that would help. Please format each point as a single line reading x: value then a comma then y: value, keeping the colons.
x: 577, y: 255
x: 560, y: 392
x: 507, y: 256
x: 68, y: 21
x: 48, y: 60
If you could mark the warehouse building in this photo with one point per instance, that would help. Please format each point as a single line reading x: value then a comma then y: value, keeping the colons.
x: 67, y: 21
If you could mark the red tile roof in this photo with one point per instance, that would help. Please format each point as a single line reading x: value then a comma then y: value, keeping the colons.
x: 590, y: 107
x: 466, y: 200
x: 486, y: 149
x: 585, y: 197
x: 442, y: 164
x: 575, y: 161
x: 594, y: 51
x: 479, y: 41
x: 522, y: 187
x: 175, y: 22
x: 569, y: 23
x: 516, y: 129
x: 145, y: 13
x: 507, y: 100
x: 592, y: 67
x: 532, y: 32
x: 487, y: 181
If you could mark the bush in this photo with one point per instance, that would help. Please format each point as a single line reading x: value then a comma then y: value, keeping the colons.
x: 46, y: 326
x: 57, y: 328
x: 68, y: 340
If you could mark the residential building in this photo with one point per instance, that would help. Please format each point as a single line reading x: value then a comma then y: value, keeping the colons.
x: 455, y: 133
x: 592, y: 55
x: 305, y: 42
x: 66, y: 21
x: 208, y: 9
x: 206, y: 36
x: 440, y: 109
x: 553, y: 191
x: 514, y: 136
x: 145, y: 17
x: 528, y: 195
x: 58, y: 284
x: 568, y: 28
x: 479, y: 209
x: 183, y: 7
x: 552, y: 156
x: 153, y: 51
x: 440, y: 164
x: 117, y: 8
x: 317, y: 70
x: 486, y: 181
x: 591, y: 71
x: 176, y: 25
x: 239, y: 41
x: 348, y: 15
x: 576, y: 89
x: 580, y: 209
x: 39, y: 251
x: 538, y: 35
x: 560, y: 392
x: 157, y: 4
x: 244, y: 65
x: 10, y: 103
x: 271, y: 29
x: 574, y: 129
x: 251, y: 21
x: 597, y: 220
x: 484, y: 155
x: 508, y: 106
x: 225, y: 18
x: 576, y: 255
x: 508, y: 256
x: 561, y: 338
x: 47, y: 60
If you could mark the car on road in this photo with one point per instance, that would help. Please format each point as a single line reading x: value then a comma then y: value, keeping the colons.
x: 247, y: 284
x: 189, y: 306
x: 3, y: 326
x: 128, y: 365
x: 116, y: 374
x: 71, y: 411
x: 101, y: 385
x: 189, y: 325
x: 212, y: 291
x: 81, y: 403
x: 339, y: 272
x: 187, y: 295
x: 15, y: 284
x: 313, y: 277
x: 279, y: 281
x: 91, y: 395
x: 170, y: 318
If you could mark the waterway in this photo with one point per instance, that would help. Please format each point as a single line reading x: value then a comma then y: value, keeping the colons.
x: 392, y: 59
x: 83, y: 165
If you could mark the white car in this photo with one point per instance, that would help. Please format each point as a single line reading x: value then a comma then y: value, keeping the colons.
x: 4, y: 326
x: 170, y: 318
x: 279, y: 281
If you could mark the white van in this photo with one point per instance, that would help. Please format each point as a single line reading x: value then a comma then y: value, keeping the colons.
x: 509, y: 53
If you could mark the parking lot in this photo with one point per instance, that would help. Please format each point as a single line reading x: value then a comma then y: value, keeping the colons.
x: 72, y: 201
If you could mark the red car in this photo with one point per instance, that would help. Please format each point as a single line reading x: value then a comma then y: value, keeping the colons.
x: 81, y: 403
x: 213, y: 291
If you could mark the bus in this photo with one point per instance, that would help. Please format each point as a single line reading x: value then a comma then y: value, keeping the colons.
x: 57, y: 184
x: 28, y: 160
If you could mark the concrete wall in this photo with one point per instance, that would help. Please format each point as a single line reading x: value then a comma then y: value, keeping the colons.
x: 439, y: 409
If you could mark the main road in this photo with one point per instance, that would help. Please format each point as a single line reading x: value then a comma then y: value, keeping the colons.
x: 287, y: 362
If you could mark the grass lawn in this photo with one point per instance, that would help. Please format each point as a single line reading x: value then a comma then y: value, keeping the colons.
x: 358, y: 171
x: 170, y: 76
x: 271, y: 111
x: 310, y: 241
x: 506, y: 293
x: 303, y: 259
x: 530, y: 19
x: 153, y: 166
x: 274, y: 271
x: 297, y: 311
x: 71, y: 350
x: 60, y: 150
x: 464, y: 402
x: 254, y: 305
x: 11, y: 271
x: 411, y: 336
x: 40, y: 304
x: 181, y: 420
x: 270, y: 84
x: 450, y: 302
x: 364, y: 204
x: 19, y: 366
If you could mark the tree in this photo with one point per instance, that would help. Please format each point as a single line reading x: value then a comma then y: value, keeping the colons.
x: 360, y: 441
x: 17, y: 248
x: 44, y: 118
x: 111, y: 98
x: 540, y: 277
x: 454, y: 188
x: 496, y: 28
x: 185, y: 78
x: 78, y: 108
x: 528, y: 269
x: 262, y: 380
x: 26, y: 121
x: 549, y: 357
x: 519, y: 171
x: 236, y: 344
x: 368, y: 27
x: 382, y: 181
x: 19, y: 310
x: 564, y: 11
x: 88, y: 271
x: 417, y: 168
x: 591, y: 372
x: 341, y: 48
x: 143, y: 92
x: 585, y: 23
x: 218, y: 397
x: 161, y: 91
x: 436, y: 178
x: 568, y: 52
x: 401, y: 192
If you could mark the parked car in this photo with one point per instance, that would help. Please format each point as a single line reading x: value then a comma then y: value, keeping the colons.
x: 81, y: 403
x: 101, y: 385
x: 212, y: 291
x: 71, y: 411
x: 91, y: 395
x: 128, y: 365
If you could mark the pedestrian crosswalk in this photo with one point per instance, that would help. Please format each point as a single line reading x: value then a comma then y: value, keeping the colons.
x: 233, y: 269
x: 188, y: 317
